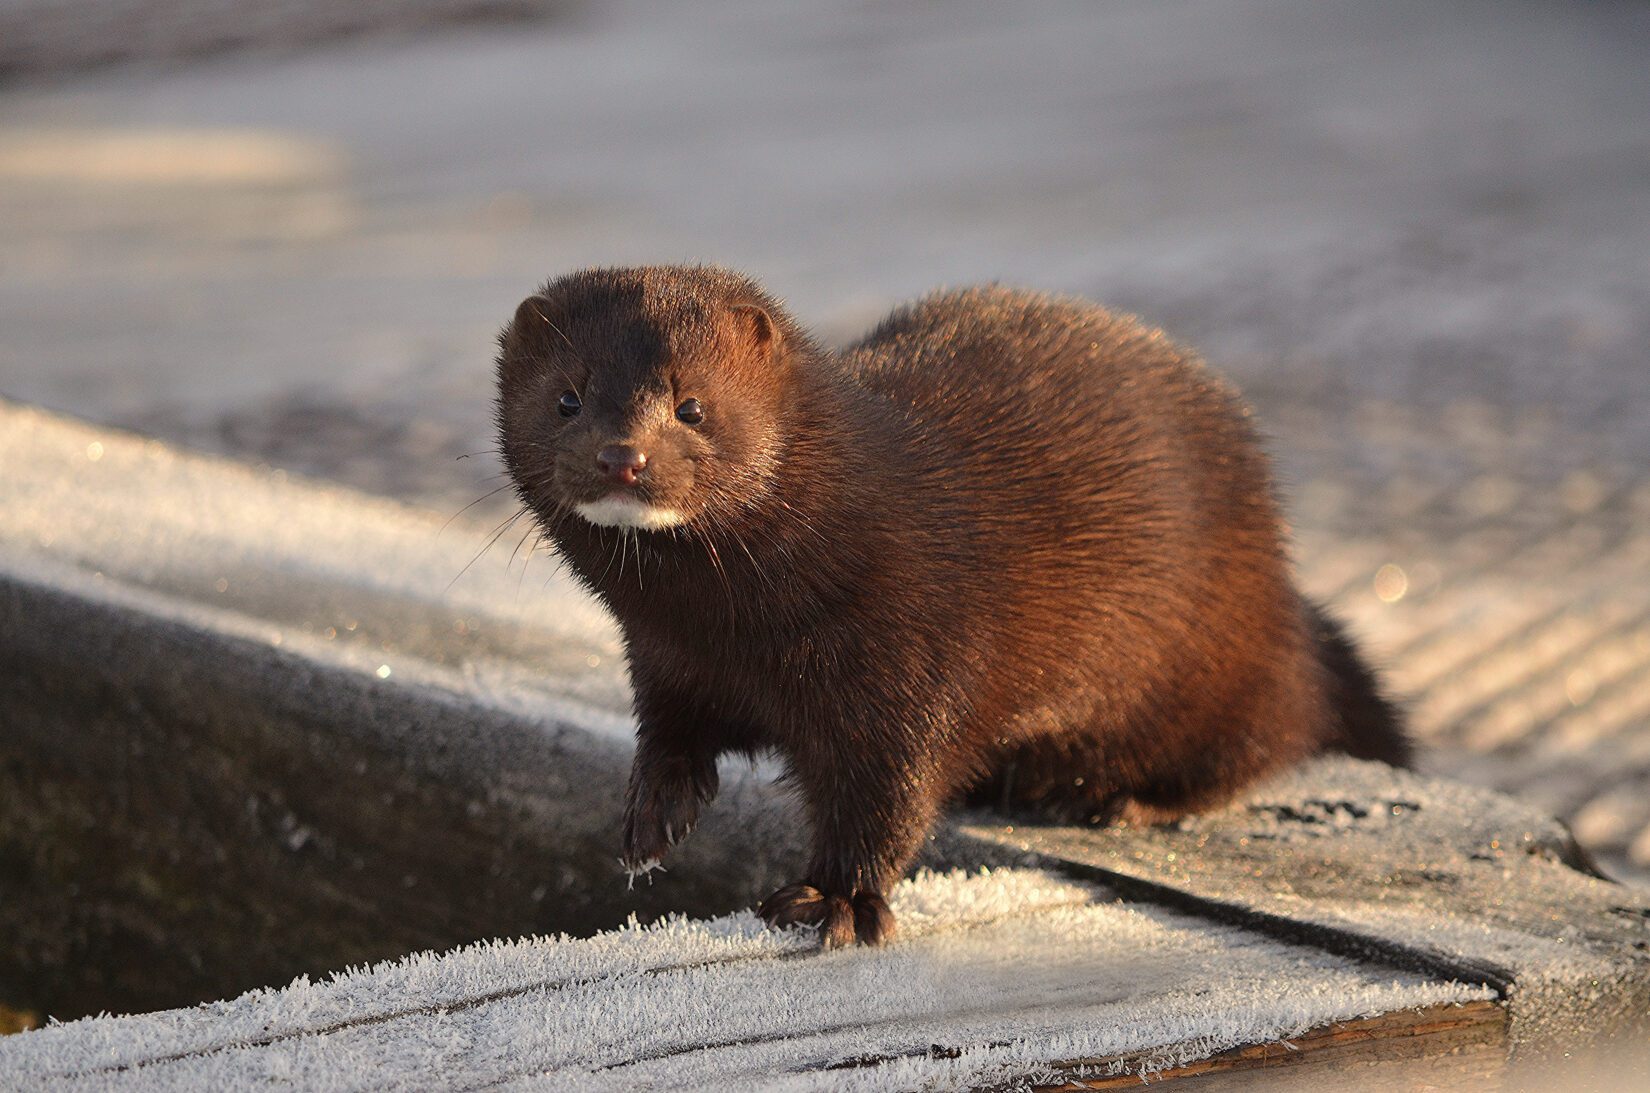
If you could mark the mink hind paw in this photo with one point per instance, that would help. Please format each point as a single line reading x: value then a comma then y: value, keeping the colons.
x: 842, y: 920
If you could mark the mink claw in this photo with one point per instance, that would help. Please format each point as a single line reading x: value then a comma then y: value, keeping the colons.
x: 641, y: 869
x: 840, y: 921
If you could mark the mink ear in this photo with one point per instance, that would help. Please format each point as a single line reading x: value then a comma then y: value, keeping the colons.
x: 756, y: 326
x: 538, y: 323
x: 533, y: 315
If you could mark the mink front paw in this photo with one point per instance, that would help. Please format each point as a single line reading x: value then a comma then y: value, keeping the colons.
x: 842, y: 920
x: 661, y: 808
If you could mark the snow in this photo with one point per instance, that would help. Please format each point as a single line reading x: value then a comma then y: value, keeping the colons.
x: 996, y: 975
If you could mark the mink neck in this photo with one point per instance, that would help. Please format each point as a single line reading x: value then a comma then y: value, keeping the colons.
x: 806, y: 541
x: 833, y: 433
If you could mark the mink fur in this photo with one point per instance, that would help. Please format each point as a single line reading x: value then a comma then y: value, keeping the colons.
x: 1008, y: 545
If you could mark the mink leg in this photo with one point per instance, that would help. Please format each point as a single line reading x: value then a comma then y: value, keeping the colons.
x: 672, y: 775
x: 662, y: 805
x: 862, y: 844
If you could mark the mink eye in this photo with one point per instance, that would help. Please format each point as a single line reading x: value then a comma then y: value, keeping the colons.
x: 569, y: 404
x: 690, y: 412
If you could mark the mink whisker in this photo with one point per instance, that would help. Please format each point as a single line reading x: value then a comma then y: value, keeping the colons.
x: 490, y: 493
x: 488, y: 545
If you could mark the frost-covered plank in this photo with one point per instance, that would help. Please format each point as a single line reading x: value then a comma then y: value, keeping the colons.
x: 256, y: 726
x: 1000, y: 976
x: 1434, y: 875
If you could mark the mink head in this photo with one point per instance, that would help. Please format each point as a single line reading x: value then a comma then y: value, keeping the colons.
x: 645, y: 398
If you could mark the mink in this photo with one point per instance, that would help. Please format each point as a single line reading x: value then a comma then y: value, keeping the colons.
x: 1008, y: 547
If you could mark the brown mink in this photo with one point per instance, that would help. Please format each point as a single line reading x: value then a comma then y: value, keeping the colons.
x: 1008, y: 543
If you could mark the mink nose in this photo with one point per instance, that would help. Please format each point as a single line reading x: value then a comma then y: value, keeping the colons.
x: 621, y: 463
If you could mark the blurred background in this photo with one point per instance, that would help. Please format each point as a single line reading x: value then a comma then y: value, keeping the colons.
x: 1416, y: 234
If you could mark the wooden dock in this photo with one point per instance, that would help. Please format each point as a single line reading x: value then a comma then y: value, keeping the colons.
x: 256, y: 730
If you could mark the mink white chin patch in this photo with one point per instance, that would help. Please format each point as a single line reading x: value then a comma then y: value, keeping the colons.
x: 619, y: 511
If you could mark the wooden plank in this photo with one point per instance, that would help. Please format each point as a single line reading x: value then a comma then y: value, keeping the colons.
x: 995, y: 976
x: 252, y: 729
x: 285, y: 764
x: 1359, y: 859
x: 1440, y: 1045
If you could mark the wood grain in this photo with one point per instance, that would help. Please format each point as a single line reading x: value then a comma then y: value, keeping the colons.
x: 1440, y: 1045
